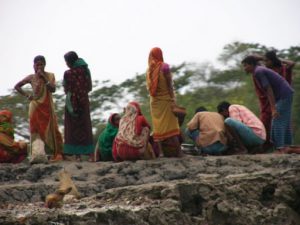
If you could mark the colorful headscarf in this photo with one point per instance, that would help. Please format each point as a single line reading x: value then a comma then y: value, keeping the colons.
x: 5, y: 116
x: 155, y: 61
x: 128, y: 126
x: 6, y: 123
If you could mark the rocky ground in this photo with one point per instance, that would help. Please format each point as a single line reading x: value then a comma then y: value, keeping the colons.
x: 227, y: 190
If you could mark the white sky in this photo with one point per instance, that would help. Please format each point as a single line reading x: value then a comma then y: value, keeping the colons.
x: 115, y: 36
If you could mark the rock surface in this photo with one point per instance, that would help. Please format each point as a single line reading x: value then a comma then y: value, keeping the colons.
x: 227, y: 190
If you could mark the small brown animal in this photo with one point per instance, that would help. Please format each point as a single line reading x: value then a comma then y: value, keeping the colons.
x: 55, y: 199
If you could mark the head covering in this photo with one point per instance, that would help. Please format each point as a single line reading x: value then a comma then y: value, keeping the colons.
x: 155, y: 61
x: 6, y: 126
x: 6, y: 116
x: 137, y: 107
x: 127, y: 128
x: 111, y: 119
x: 107, y: 137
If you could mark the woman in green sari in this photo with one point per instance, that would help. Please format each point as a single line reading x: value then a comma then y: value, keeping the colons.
x: 106, y: 138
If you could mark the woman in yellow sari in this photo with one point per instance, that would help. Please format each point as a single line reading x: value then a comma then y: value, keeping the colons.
x: 42, y: 118
x: 160, y: 86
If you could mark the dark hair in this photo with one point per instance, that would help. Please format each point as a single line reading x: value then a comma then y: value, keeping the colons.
x: 39, y: 58
x: 271, y: 55
x: 251, y: 60
x: 223, y: 106
x: 71, y: 57
x: 200, y: 109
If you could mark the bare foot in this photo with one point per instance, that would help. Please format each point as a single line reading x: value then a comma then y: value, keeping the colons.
x: 281, y: 151
x: 78, y: 158
x: 58, y: 157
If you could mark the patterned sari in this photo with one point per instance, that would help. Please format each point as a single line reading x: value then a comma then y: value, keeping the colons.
x: 42, y: 118
x: 132, y: 140
x: 78, y: 126
x: 10, y: 151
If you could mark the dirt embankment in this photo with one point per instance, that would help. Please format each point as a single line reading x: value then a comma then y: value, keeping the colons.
x: 231, y: 190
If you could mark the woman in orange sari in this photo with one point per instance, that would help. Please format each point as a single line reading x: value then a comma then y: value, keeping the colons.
x: 160, y: 86
x: 42, y: 119
x: 10, y: 151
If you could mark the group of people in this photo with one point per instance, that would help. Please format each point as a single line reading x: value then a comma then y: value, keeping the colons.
x: 233, y: 129
x: 77, y: 83
x: 242, y: 131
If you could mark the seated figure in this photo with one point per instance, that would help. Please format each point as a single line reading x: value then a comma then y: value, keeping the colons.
x: 243, y: 124
x: 132, y: 140
x: 10, y: 150
x: 106, y: 138
x: 207, y: 130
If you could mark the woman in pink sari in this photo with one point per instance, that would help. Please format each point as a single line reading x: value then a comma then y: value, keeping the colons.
x: 132, y: 140
x: 10, y: 151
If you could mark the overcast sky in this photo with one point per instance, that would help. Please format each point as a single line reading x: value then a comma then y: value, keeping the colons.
x: 115, y: 36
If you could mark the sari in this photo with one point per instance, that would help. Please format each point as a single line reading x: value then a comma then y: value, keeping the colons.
x: 132, y: 140
x: 106, y: 139
x: 78, y: 126
x: 165, y: 124
x: 10, y: 151
x: 42, y: 118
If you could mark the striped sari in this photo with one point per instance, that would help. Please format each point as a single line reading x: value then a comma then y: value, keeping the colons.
x: 281, y: 132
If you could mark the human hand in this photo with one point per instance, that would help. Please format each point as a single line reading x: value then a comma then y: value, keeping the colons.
x: 40, y: 72
x: 30, y: 97
x: 173, y: 100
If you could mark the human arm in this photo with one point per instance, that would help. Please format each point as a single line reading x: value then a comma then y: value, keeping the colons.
x: 234, y: 113
x: 289, y: 64
x: 260, y: 76
x: 90, y: 85
x: 20, y: 84
x: 271, y: 99
x: 141, y: 123
x: 167, y: 73
x: 66, y: 82
x: 48, y: 79
x: 194, y: 123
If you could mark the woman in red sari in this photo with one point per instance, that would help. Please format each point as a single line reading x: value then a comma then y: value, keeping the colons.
x: 132, y: 140
x: 10, y: 151
x: 42, y: 118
